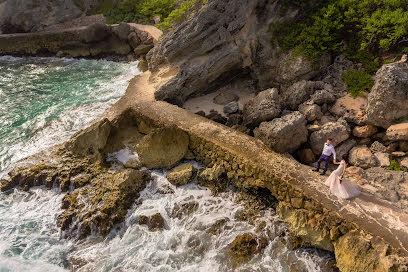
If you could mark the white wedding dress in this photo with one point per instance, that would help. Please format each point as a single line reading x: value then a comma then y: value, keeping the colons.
x: 343, y: 190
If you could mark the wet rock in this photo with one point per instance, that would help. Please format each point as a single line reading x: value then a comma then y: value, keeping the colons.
x: 181, y: 210
x: 156, y: 222
x: 218, y: 226
x: 350, y: 108
x: 383, y: 159
x: 344, y: 148
x: 388, y: 99
x: 364, y: 131
x: 311, y: 111
x: 397, y: 132
x: 143, y: 220
x: 122, y: 31
x: 182, y: 174
x: 231, y: 107
x: 225, y: 98
x: 95, y: 33
x: 299, y: 92
x: 306, y: 156
x: 338, y: 131
x: 378, y: 147
x: 321, y: 97
x: 243, y: 249
x: 163, y: 148
x: 361, y: 156
x: 165, y: 189
x: 284, y: 134
x: 263, y: 107
x: 333, y: 74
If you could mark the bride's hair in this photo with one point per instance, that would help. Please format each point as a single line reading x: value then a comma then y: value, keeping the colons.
x: 344, y: 158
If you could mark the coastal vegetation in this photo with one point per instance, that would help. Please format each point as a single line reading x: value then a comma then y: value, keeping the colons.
x: 357, y: 81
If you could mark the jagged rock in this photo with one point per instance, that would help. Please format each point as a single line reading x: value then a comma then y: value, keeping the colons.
x: 203, y: 52
x: 243, y: 249
x: 218, y: 226
x: 231, y: 107
x: 156, y: 222
x: 378, y: 147
x: 234, y: 120
x: 225, y: 98
x: 311, y: 111
x: 388, y: 99
x: 344, y: 148
x: 134, y: 40
x: 333, y: 74
x: 383, y: 159
x: 263, y: 107
x: 122, y: 31
x: 212, y: 173
x: 306, y: 156
x: 355, y: 174
x: 182, y: 174
x: 217, y: 117
x: 397, y: 132
x: 361, y: 156
x: 184, y: 209
x: 321, y: 97
x: 350, y: 108
x: 364, y: 131
x: 284, y: 134
x: 163, y: 148
x: 95, y: 33
x: 299, y: 92
x: 338, y: 131
x: 35, y: 15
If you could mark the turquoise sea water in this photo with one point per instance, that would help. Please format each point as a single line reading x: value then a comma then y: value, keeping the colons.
x: 44, y: 101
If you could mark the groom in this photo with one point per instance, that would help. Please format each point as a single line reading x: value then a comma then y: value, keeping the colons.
x: 328, y: 150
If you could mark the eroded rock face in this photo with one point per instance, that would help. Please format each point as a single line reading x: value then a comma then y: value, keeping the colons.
x: 202, y: 52
x: 263, y: 107
x: 284, y: 134
x: 339, y: 132
x: 388, y: 99
x: 163, y: 148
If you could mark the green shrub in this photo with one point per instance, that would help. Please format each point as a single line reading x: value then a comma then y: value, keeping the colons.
x: 180, y: 14
x: 367, y: 28
x: 394, y: 166
x: 357, y: 81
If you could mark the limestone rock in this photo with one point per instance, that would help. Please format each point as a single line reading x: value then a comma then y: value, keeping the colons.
x: 156, y: 222
x: 225, y: 98
x: 321, y: 97
x: 299, y: 92
x: 383, y: 159
x: 356, y: 175
x: 264, y: 107
x: 361, y: 156
x: 243, y: 249
x: 388, y: 99
x: 311, y: 111
x: 182, y: 174
x: 344, y: 148
x: 216, y: 117
x: 404, y: 162
x: 397, y: 132
x: 95, y: 33
x: 403, y: 146
x: 306, y: 156
x: 364, y: 131
x: 284, y: 134
x: 212, y: 173
x: 184, y: 209
x: 398, y: 154
x: 338, y: 131
x: 122, y: 31
x: 378, y: 147
x: 231, y: 108
x: 350, y: 108
x: 163, y: 148
x: 234, y: 120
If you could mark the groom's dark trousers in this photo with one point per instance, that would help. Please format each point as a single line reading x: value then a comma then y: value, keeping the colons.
x: 323, y: 158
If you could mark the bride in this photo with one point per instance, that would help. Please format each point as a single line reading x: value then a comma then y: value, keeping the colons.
x: 339, y: 186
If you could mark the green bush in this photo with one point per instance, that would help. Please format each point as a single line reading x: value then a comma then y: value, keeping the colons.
x: 394, y: 166
x: 357, y: 81
x: 368, y: 28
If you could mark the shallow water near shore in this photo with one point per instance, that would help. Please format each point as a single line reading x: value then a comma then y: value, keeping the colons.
x: 43, y: 101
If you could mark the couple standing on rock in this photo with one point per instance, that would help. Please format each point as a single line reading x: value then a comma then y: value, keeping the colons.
x: 338, y: 185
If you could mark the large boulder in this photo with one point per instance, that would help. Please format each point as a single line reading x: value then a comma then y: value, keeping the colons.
x: 243, y: 248
x: 388, y: 99
x: 364, y: 131
x: 284, y: 134
x: 339, y: 132
x: 321, y: 97
x: 163, y: 148
x: 350, y: 108
x: 361, y: 156
x: 397, y: 132
x: 299, y: 92
x: 95, y: 33
x: 263, y: 107
x: 122, y: 31
x: 311, y: 111
x: 344, y: 148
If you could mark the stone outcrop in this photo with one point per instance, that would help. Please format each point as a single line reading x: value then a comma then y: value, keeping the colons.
x: 388, y: 99
x: 283, y: 134
x: 243, y: 249
x: 339, y: 132
x: 299, y: 92
x: 163, y: 148
x: 311, y: 111
x: 263, y: 107
x: 202, y: 54
x: 182, y: 174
